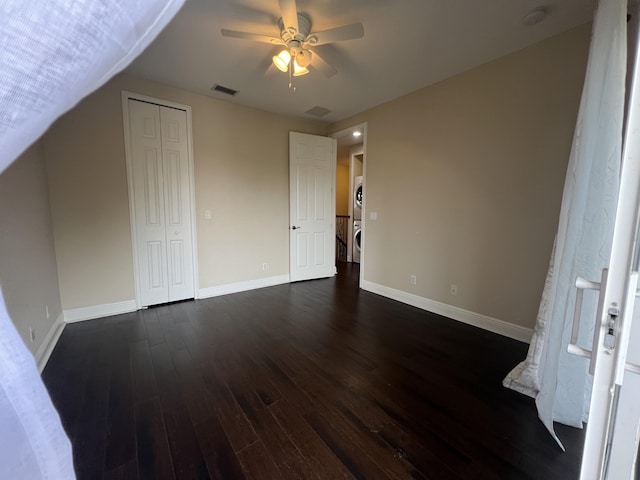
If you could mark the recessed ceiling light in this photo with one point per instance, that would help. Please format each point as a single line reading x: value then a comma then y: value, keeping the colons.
x: 357, y: 133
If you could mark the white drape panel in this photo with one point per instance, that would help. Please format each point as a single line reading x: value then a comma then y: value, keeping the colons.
x: 52, y: 54
x: 559, y: 381
x: 55, y: 52
x: 33, y: 444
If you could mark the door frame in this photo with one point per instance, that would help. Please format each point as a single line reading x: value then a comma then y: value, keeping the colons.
x: 341, y: 133
x: 126, y: 95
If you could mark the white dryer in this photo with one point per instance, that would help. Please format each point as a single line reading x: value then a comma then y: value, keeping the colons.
x: 357, y: 240
x: 357, y: 197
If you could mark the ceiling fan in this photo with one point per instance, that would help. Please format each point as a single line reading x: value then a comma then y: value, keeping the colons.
x: 298, y: 40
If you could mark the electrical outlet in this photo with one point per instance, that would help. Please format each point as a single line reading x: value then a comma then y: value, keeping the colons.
x: 32, y: 334
x: 265, y: 266
x: 454, y: 290
x: 412, y: 279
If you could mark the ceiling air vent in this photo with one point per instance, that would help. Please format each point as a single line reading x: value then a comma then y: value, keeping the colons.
x: 318, y: 111
x: 222, y: 89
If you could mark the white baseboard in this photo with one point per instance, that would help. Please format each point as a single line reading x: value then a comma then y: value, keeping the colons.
x: 50, y: 340
x: 491, y: 324
x: 98, y: 311
x: 242, y: 286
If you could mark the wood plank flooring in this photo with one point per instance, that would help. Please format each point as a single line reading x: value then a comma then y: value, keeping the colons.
x: 313, y: 380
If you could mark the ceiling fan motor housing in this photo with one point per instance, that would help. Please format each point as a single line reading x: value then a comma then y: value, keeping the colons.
x: 304, y: 27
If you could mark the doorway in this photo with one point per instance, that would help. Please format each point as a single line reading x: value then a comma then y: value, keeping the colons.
x: 351, y: 196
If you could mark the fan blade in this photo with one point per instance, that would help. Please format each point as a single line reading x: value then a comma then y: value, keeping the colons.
x: 250, y: 36
x: 318, y: 63
x: 289, y: 15
x: 338, y: 34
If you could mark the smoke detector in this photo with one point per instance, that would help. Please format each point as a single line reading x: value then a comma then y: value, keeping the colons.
x: 535, y: 16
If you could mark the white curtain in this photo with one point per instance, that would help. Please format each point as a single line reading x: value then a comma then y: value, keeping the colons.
x: 558, y: 381
x: 52, y: 54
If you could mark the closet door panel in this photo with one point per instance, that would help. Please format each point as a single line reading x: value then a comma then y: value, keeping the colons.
x: 175, y: 148
x: 149, y: 201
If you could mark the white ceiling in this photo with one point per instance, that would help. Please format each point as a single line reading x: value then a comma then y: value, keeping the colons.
x: 408, y: 44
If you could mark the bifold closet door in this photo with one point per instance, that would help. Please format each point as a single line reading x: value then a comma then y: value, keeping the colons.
x: 162, y: 202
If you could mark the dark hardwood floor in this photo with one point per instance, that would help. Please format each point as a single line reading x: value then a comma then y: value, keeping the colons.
x: 313, y: 380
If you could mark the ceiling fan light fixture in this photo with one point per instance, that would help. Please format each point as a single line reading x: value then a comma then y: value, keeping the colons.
x: 299, y: 70
x: 281, y: 61
x: 303, y: 58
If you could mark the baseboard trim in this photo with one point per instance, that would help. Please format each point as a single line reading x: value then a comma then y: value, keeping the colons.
x: 485, y: 322
x: 50, y: 340
x: 98, y: 311
x: 237, y: 287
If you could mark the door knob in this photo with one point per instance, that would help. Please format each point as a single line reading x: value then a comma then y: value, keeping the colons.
x: 175, y: 233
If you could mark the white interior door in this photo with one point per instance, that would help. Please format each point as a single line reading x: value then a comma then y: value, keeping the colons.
x: 312, y: 178
x: 611, y: 442
x: 162, y: 202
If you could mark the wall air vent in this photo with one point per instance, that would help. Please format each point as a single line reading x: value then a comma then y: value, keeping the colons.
x: 222, y: 89
x: 318, y: 111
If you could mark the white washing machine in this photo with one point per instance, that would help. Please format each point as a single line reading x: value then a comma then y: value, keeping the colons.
x: 357, y: 198
x: 357, y: 240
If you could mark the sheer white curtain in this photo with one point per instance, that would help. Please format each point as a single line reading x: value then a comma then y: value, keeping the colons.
x: 559, y: 381
x: 52, y: 54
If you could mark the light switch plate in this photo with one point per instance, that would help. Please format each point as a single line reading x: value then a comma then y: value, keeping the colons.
x: 373, y: 216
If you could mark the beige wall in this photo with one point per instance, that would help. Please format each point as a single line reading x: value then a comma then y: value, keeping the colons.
x: 342, y: 189
x: 358, y: 169
x: 28, y: 275
x: 241, y: 174
x: 467, y: 177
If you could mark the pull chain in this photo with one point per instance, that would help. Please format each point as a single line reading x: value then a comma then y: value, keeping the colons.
x: 291, y: 85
